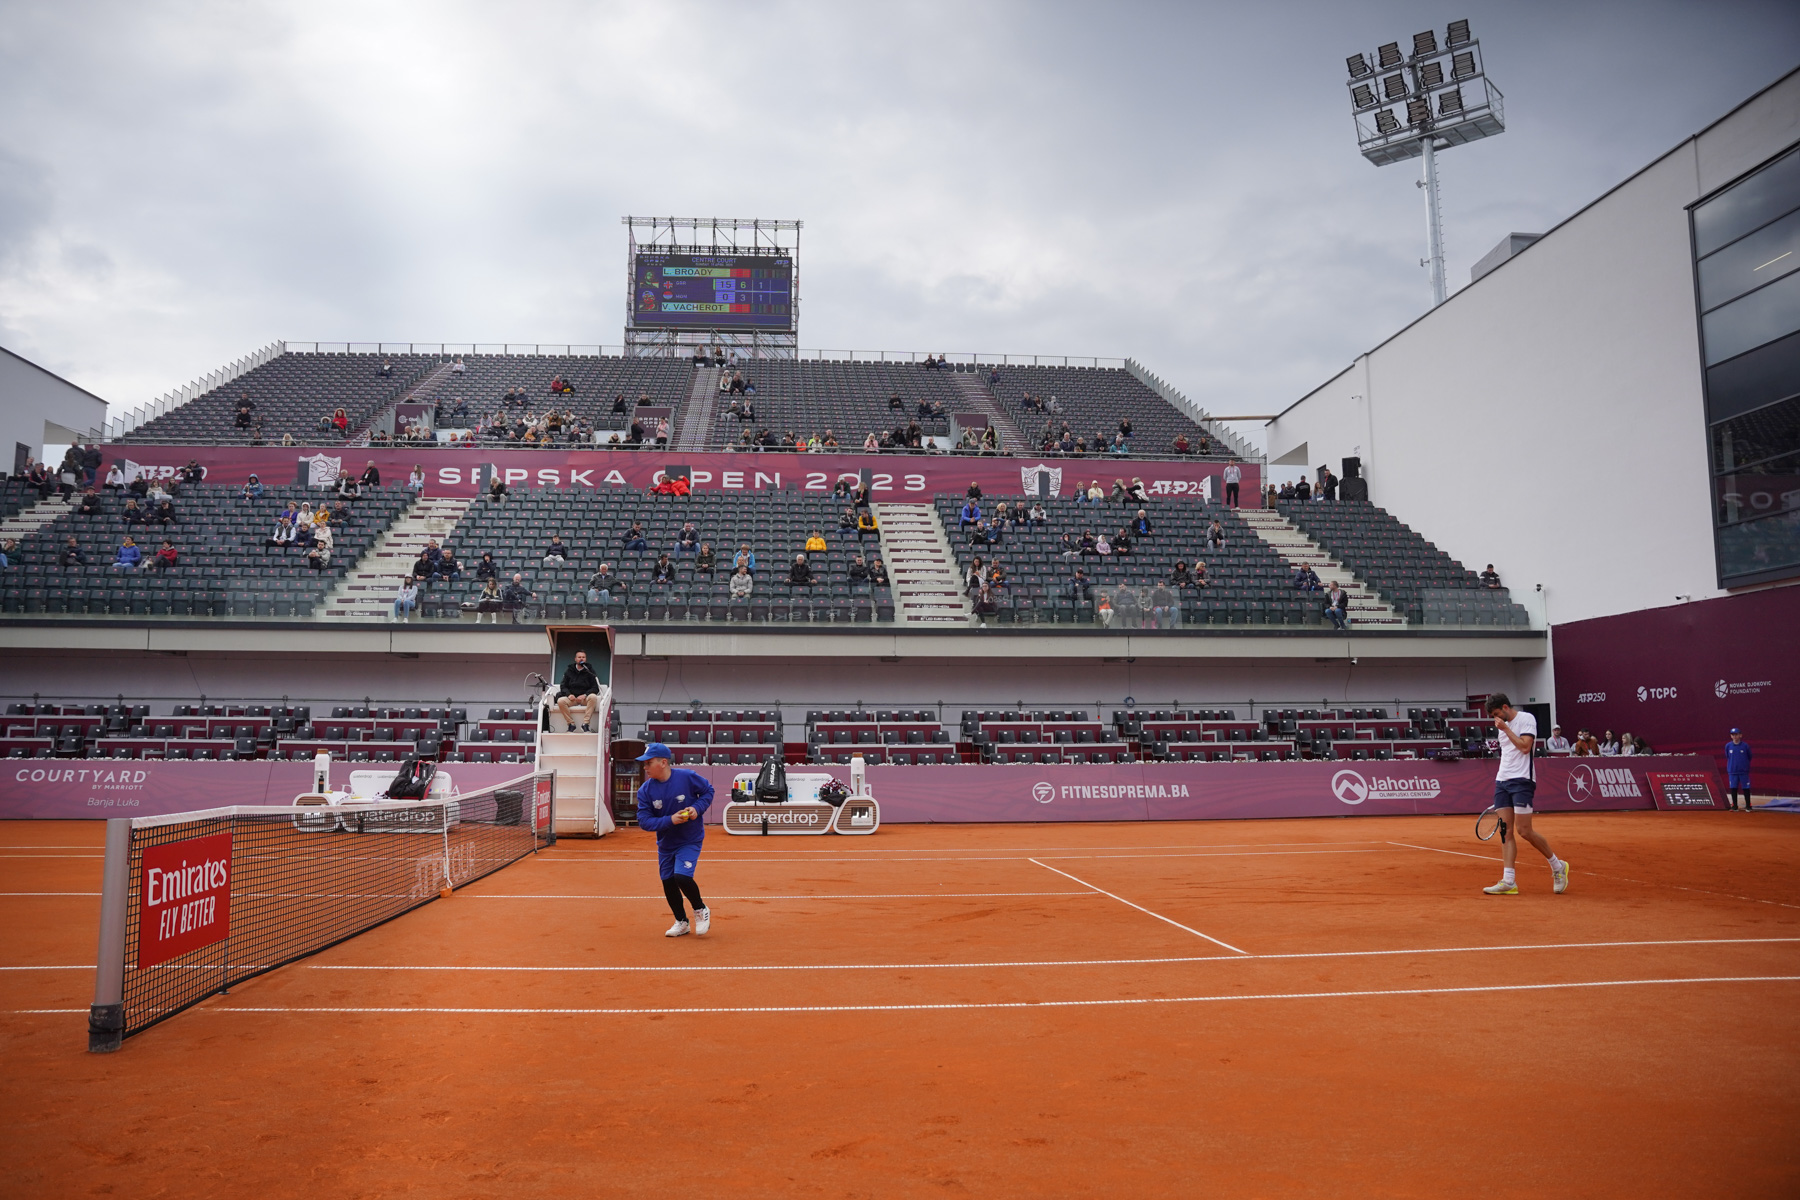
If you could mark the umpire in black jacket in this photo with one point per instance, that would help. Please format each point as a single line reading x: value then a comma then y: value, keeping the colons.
x: 579, y: 689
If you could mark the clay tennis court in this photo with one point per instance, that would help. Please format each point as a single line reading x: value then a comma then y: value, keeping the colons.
x: 1248, y: 1008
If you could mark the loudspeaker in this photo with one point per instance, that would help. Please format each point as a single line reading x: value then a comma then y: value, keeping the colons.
x: 1353, y: 468
x: 1353, y: 489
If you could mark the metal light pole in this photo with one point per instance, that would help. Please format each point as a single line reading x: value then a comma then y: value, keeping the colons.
x: 1419, y: 104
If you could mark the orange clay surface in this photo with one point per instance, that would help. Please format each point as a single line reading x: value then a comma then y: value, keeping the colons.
x: 965, y: 1011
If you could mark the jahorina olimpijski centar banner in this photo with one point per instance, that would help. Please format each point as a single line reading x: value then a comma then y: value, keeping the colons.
x: 77, y: 788
x: 461, y: 471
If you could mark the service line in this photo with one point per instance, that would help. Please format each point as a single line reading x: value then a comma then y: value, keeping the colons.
x: 1122, y: 900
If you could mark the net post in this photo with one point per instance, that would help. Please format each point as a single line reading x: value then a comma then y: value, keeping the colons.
x: 449, y: 880
x: 106, y: 1018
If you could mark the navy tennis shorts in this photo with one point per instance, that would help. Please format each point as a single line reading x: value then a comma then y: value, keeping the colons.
x: 680, y: 861
x: 1515, y: 794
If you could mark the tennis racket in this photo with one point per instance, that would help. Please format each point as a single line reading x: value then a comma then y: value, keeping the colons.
x: 1489, y: 823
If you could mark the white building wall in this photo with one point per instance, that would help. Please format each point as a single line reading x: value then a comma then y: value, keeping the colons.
x: 1549, y: 417
x: 38, y: 407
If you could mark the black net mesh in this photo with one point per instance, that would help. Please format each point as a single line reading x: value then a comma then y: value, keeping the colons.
x: 303, y: 879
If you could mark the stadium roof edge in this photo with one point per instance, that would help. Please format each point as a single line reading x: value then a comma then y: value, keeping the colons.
x: 1676, y: 148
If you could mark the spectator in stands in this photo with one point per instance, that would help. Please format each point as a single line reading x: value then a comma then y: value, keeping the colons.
x: 878, y: 573
x: 1119, y: 445
x: 1180, y: 577
x: 859, y: 570
x: 634, y: 538
x: 163, y: 514
x: 1103, y: 545
x: 497, y: 490
x: 133, y: 515
x: 515, y: 596
x: 71, y: 555
x: 815, y: 544
x: 744, y: 559
x: 415, y: 483
x: 602, y: 583
x: 741, y: 584
x: 115, y: 479
x: 1628, y: 745
x: 706, y: 561
x: 982, y: 534
x: 1121, y: 542
x: 1137, y: 493
x: 253, y: 489
x: 1557, y: 744
x: 90, y: 464
x: 340, y: 421
x: 1081, y: 588
x: 1337, y: 607
x: 128, y: 558
x: 90, y: 503
x: 970, y: 514
x: 687, y: 539
x: 1327, y: 484
x: 319, y: 557
x: 1234, y: 475
x: 1200, y: 579
x: 985, y: 606
x: 866, y: 525
x: 447, y: 566
x: 1585, y: 745
x: 1141, y: 526
x: 1088, y: 544
x: 193, y: 472
x: 663, y: 573
x: 1039, y: 516
x: 406, y: 600
x: 800, y: 574
x: 871, y: 444
x: 1490, y: 578
x: 1181, y: 444
x: 976, y: 576
x: 164, y: 558
x: 283, y: 535
x: 487, y: 568
x: 1165, y: 607
x: 1609, y: 745
x: 1302, y: 490
x: 348, y: 488
x: 1215, y: 534
x: 579, y: 689
x: 387, y: 369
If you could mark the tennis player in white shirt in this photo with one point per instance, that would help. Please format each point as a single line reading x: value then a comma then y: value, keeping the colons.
x: 1515, y: 786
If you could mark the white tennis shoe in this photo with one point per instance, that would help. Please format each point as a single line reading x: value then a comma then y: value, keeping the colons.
x: 702, y: 920
x: 1560, y: 878
x: 678, y: 929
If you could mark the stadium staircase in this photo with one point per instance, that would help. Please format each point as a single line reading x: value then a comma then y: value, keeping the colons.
x: 1297, y: 550
x: 694, y: 424
x: 27, y: 521
x: 921, y: 566
x: 977, y: 396
x: 367, y: 590
x: 425, y: 390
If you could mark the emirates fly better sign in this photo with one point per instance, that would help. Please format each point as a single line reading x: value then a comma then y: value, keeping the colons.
x: 184, y: 903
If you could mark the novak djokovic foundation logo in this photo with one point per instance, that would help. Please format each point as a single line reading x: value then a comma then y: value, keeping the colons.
x: 1604, y: 783
x: 1352, y: 788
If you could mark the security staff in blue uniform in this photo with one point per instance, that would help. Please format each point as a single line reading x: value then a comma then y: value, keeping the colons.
x: 671, y: 802
x: 1737, y: 769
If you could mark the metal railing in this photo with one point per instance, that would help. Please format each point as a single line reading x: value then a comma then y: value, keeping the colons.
x: 126, y: 422
x: 1201, y: 417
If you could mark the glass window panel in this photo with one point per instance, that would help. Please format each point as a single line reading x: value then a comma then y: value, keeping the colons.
x: 1765, y: 547
x: 1749, y: 321
x: 1749, y: 205
x: 1756, y: 437
x: 1747, y: 263
x: 1772, y: 486
x: 1754, y: 380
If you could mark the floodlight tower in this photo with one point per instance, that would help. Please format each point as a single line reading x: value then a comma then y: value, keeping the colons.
x: 1446, y: 99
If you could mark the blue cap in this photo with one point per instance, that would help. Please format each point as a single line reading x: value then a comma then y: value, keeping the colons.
x: 654, y: 750
x: 1737, y: 731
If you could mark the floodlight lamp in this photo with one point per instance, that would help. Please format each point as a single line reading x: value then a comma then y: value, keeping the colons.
x: 1386, y: 122
x: 1462, y: 65
x: 1362, y: 96
x: 1418, y: 111
x: 1388, y: 55
x: 1431, y: 74
x: 1450, y: 103
x: 1359, y: 66
x: 1393, y: 87
x: 1457, y: 34
x: 1424, y: 43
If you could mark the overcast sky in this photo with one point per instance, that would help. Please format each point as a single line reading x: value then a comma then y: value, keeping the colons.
x: 183, y: 183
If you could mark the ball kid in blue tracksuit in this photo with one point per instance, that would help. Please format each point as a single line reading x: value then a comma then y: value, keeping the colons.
x: 1737, y: 768
x: 672, y: 802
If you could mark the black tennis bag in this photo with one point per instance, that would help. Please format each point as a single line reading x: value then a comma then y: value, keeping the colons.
x: 771, y: 782
x: 413, y: 782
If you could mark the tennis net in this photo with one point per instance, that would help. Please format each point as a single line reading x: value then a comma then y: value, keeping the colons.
x: 193, y: 903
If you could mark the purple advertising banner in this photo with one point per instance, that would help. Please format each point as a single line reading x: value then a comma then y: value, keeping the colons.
x: 73, y: 788
x: 1685, y: 675
x: 457, y: 471
x: 1237, y: 791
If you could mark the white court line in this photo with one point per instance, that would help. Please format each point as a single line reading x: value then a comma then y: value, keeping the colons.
x: 563, y: 855
x: 1071, y: 962
x: 1074, y: 962
x: 1625, y: 878
x: 1122, y: 900
x: 752, y: 858
x: 843, y: 896
x: 1012, y: 1004
x: 52, y: 856
x: 49, y: 893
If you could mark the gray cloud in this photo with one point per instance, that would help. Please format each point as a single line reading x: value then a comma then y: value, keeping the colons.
x: 180, y: 183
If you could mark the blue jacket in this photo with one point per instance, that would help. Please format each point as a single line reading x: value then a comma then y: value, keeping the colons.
x: 658, y: 802
x: 1737, y: 757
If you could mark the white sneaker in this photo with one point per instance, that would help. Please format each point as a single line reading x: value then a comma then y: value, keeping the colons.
x: 1559, y: 878
x: 678, y: 929
x: 702, y: 920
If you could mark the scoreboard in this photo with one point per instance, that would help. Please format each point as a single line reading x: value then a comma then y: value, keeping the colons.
x: 712, y: 291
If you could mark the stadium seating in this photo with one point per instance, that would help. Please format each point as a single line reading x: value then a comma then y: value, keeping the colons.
x: 474, y: 395
x: 1248, y: 580
x: 850, y: 399
x: 291, y: 392
x: 1092, y: 401
x: 593, y: 524
x: 1423, y: 583
x: 224, y: 569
